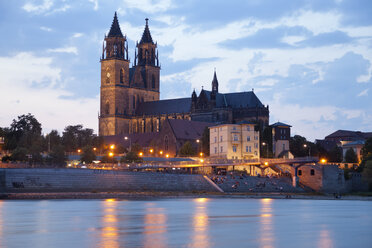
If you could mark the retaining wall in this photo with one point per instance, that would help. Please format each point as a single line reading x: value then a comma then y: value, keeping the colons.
x: 80, y: 180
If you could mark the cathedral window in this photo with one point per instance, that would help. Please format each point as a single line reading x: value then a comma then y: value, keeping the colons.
x: 122, y: 76
x: 107, y: 108
x: 115, y: 50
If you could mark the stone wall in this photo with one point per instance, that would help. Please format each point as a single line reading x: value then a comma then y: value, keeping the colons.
x: 80, y: 180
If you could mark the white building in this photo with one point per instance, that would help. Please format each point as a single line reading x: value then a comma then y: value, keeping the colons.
x: 235, y: 141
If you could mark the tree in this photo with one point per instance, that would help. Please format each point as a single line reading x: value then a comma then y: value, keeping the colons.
x: 266, y: 137
x: 52, y: 140
x: 205, y: 141
x: 187, y: 150
x: 335, y: 155
x: 350, y: 156
x: 367, y: 148
x: 367, y: 173
x: 19, y: 154
x: 24, y: 132
x: 88, y: 155
x: 108, y: 159
x: 76, y: 137
x: 296, y: 146
x: 57, y: 156
x: 136, y: 148
x: 131, y: 157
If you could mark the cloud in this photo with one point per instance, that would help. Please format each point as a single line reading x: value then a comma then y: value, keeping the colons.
x: 95, y: 3
x: 364, y: 93
x: 32, y: 86
x: 147, y: 6
x: 77, y: 35
x: 38, y: 8
x: 46, y: 29
x: 70, y: 49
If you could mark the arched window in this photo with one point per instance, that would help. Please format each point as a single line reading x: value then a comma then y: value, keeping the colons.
x: 107, y: 108
x: 166, y: 143
x: 153, y: 81
x: 122, y: 76
x: 115, y: 50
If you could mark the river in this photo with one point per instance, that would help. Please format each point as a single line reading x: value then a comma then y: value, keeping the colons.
x: 186, y: 222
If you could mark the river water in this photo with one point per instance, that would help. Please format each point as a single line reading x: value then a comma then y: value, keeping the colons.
x: 198, y: 222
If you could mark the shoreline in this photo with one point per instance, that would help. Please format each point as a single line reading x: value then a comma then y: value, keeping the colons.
x: 171, y: 195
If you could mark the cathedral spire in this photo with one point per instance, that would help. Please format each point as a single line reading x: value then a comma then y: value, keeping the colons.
x: 146, y: 36
x: 115, y: 28
x: 215, y: 82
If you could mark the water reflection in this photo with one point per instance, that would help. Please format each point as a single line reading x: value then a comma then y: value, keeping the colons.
x: 266, y: 226
x: 155, y: 228
x: 200, y: 237
x: 109, y: 231
x: 1, y: 224
x: 325, y: 239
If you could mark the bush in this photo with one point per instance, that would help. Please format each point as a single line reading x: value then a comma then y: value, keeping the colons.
x: 19, y: 154
x: 131, y: 157
x: 350, y: 156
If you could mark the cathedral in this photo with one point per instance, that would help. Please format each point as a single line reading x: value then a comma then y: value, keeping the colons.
x: 130, y: 98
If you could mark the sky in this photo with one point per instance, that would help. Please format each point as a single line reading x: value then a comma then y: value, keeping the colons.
x: 310, y: 61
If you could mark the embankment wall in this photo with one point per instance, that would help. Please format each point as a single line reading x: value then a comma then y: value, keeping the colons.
x: 80, y: 180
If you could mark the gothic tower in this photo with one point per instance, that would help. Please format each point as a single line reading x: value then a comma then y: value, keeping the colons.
x: 114, y: 100
x: 146, y: 63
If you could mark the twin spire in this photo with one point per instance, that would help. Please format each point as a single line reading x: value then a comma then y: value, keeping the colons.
x: 115, y: 30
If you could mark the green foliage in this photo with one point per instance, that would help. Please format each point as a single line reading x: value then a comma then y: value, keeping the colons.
x: 335, y: 155
x: 187, y: 149
x: 131, y: 157
x: 76, y: 137
x: 108, y: 159
x: 367, y: 148
x: 296, y: 146
x: 136, y: 148
x: 52, y: 140
x: 367, y: 173
x: 19, y: 154
x: 205, y: 141
x: 266, y: 137
x: 350, y: 156
x: 88, y: 155
x: 57, y: 156
x: 24, y: 132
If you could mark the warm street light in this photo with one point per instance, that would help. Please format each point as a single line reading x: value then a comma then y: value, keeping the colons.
x: 167, y: 155
x: 267, y: 149
x: 161, y: 152
x: 94, y: 149
x: 197, y: 141
x: 111, y: 154
x: 323, y: 160
x: 151, y: 150
x: 266, y: 163
x: 140, y: 154
x: 202, y: 160
x: 79, y: 150
x: 305, y: 146
x: 201, y: 154
x: 112, y: 147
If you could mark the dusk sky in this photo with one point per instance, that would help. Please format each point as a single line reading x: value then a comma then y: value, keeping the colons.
x: 310, y: 61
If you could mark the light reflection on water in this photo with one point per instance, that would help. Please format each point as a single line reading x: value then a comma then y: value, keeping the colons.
x: 266, y: 225
x: 199, y: 222
x: 109, y: 230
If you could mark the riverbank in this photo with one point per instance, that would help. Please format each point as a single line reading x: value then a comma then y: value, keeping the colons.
x: 165, y: 195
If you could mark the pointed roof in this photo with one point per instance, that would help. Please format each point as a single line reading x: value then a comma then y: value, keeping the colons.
x: 215, y: 81
x: 146, y: 36
x: 115, y: 28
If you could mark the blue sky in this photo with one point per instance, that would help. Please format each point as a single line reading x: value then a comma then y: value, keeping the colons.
x: 310, y: 61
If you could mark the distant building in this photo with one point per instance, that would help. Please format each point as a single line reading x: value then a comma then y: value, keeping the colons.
x: 355, y: 145
x: 281, y: 134
x: 345, y: 139
x: 235, y: 141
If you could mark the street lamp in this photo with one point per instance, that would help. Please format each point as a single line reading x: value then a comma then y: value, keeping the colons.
x: 130, y: 142
x: 112, y: 147
x: 305, y: 145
